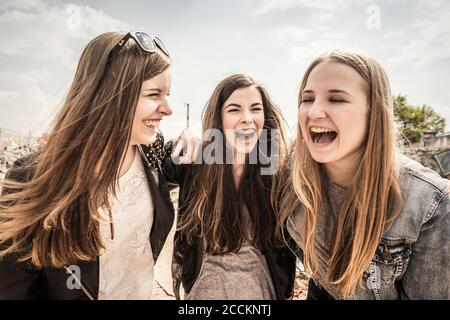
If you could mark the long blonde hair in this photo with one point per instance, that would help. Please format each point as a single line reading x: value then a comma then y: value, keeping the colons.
x: 371, y: 201
x: 51, y: 220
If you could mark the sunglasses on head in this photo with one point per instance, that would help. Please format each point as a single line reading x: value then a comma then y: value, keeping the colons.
x: 147, y: 43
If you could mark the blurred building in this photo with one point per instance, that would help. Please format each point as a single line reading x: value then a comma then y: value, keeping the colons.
x: 432, y: 139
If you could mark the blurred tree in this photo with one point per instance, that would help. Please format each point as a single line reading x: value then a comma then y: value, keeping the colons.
x: 412, y: 120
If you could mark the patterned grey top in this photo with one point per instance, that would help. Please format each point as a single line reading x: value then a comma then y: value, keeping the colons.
x: 242, y: 275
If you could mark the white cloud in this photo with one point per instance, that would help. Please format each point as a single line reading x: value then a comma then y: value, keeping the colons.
x: 42, y: 41
x: 321, y: 30
x: 23, y: 4
x: 50, y: 36
x: 6, y: 95
x: 26, y: 108
x: 304, y: 44
x: 32, y: 110
x: 426, y: 40
x: 282, y: 5
x: 328, y: 42
x: 43, y: 30
x: 24, y: 80
x: 413, y: 42
x: 293, y: 33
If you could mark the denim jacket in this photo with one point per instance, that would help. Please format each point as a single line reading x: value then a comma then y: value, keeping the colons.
x: 412, y: 260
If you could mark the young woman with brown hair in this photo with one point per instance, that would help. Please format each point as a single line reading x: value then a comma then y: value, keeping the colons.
x: 225, y: 245
x: 86, y: 215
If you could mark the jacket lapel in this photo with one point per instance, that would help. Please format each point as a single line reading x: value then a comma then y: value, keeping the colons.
x: 163, y: 208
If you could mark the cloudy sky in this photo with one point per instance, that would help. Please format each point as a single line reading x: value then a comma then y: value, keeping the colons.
x: 272, y: 40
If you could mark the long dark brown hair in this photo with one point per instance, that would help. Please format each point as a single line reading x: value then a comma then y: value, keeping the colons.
x: 214, y: 210
x: 52, y: 219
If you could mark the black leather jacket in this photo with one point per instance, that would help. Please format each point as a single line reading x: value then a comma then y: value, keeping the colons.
x: 23, y: 281
x: 187, y: 258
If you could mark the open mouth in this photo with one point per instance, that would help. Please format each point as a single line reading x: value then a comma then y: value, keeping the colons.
x: 152, y: 124
x: 322, y: 136
x: 245, y: 135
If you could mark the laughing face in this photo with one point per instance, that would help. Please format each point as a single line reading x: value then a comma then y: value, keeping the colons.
x: 243, y: 119
x: 152, y: 107
x: 333, y: 113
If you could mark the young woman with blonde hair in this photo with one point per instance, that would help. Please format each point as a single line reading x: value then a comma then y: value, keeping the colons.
x: 367, y: 222
x: 86, y: 215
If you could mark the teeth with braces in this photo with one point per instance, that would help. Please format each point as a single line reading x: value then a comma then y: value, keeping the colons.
x: 321, y: 130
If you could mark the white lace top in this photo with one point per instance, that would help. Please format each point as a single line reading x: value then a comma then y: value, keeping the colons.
x: 126, y: 265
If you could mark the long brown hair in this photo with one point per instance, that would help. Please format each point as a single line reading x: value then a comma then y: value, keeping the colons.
x: 52, y: 219
x: 214, y: 211
x: 372, y: 200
